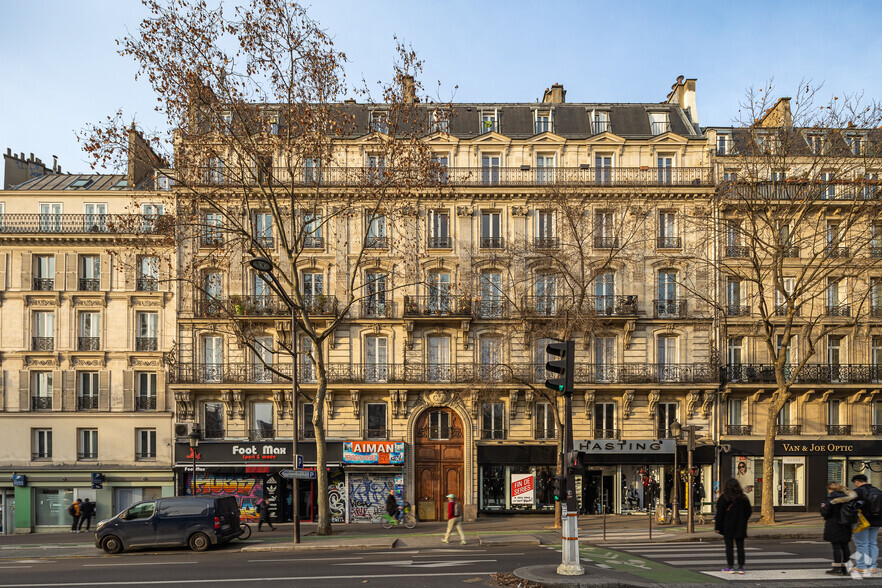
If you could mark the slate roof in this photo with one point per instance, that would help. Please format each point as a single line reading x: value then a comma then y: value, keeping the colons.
x: 96, y: 182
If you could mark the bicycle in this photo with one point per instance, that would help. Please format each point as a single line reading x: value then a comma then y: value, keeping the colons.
x: 245, y: 531
x: 407, y: 519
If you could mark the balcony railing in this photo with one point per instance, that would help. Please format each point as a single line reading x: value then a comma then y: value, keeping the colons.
x: 313, y: 242
x: 376, y: 243
x: 471, y: 176
x: 789, y: 429
x: 265, y: 241
x: 89, y: 284
x: 607, y: 433
x: 839, y: 429
x: 809, y: 374
x: 234, y: 373
x: 839, y: 310
x: 669, y: 308
x: 790, y: 252
x: 41, y: 403
x: 306, y: 433
x: 145, y: 454
x: 87, y: 403
x: 804, y: 190
x: 145, y: 403
x: 213, y: 433
x: 147, y: 284
x: 490, y: 308
x: 737, y: 310
x: 444, y: 304
x: 837, y: 252
x: 81, y: 455
x: 738, y: 429
x: 377, y: 308
x: 876, y: 252
x: 262, y: 433
x: 377, y: 434
x: 260, y: 305
x: 43, y: 343
x: 492, y: 243
x: 88, y: 343
x: 612, y: 305
x: 781, y: 310
x: 211, y: 241
x: 440, y: 243
x: 546, y: 243
x: 79, y: 224
x: 320, y: 305
x: 669, y: 243
x: 44, y: 284
x: 737, y: 251
x: 496, y: 433
x: 876, y: 311
x: 606, y: 242
x: 146, y: 344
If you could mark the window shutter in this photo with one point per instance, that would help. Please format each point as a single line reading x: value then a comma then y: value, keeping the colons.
x: 70, y: 390
x: 57, y: 393
x: 105, y: 273
x: 128, y: 390
x: 72, y: 263
x: 27, y: 270
x: 24, y: 388
x: 59, y: 271
x: 104, y: 390
x: 160, y: 390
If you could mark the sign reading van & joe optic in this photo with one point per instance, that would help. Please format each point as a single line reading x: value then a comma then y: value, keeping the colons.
x: 373, y: 452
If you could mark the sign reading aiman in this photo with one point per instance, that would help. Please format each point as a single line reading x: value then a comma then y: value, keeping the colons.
x: 631, y: 446
x: 373, y: 452
x: 522, y: 488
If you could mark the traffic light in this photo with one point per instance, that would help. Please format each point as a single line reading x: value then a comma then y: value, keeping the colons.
x: 559, y: 488
x: 564, y: 366
x: 573, y: 460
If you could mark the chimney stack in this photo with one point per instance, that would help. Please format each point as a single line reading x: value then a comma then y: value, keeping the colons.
x: 556, y: 95
x: 408, y: 90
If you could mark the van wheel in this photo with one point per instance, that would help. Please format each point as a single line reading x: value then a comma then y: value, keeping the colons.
x: 199, y: 542
x: 112, y: 544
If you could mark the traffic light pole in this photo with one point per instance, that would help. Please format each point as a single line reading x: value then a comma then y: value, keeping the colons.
x: 570, y: 562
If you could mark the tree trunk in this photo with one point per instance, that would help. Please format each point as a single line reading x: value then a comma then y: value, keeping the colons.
x: 767, y: 513
x: 321, y: 459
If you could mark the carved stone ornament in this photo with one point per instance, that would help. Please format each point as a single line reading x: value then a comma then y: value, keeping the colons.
x: 434, y: 398
x: 227, y: 399
x: 279, y: 401
x: 408, y: 335
x: 239, y: 403
x: 399, y: 403
x: 463, y: 211
x: 43, y: 361
x: 692, y: 399
x: 589, y: 404
x: 519, y: 210
x: 355, y: 396
x: 654, y: 395
x: 529, y: 399
x: 89, y: 301
x: 473, y: 403
x: 393, y: 400
x: 512, y: 403
x: 707, y: 403
x: 151, y: 302
x: 627, y: 399
x: 184, y: 403
x: 42, y: 301
x: 145, y: 361
x: 329, y: 403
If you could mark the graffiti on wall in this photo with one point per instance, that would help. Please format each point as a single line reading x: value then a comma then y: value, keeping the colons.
x: 367, y: 496
x: 247, y: 490
x: 337, y: 498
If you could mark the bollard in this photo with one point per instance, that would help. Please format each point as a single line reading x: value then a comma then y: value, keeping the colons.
x: 649, y: 512
x: 604, y: 524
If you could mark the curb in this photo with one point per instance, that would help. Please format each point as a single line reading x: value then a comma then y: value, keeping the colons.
x: 547, y: 576
x: 510, y: 540
x: 325, y: 545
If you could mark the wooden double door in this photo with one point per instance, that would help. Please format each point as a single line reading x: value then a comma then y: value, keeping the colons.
x: 438, y: 462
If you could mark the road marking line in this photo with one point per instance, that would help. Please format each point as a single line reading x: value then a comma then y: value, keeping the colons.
x: 301, y: 559
x: 177, y: 581
x: 698, y: 562
x: 721, y: 554
x: 13, y: 567
x: 146, y: 563
x: 604, y: 566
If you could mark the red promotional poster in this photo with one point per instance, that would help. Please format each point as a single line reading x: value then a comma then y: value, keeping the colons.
x: 522, y: 488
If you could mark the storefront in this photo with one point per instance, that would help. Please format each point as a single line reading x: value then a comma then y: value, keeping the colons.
x: 801, y: 469
x: 516, y: 478
x: 372, y: 470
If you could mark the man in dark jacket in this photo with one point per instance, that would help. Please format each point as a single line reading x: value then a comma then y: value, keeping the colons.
x: 392, y: 505
x: 87, y: 511
x: 866, y: 541
x: 263, y: 515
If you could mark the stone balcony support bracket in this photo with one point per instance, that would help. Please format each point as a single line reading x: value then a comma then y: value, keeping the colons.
x: 329, y: 404
x: 589, y: 404
x: 529, y: 399
x: 355, y: 396
x: 653, y: 398
x: 512, y: 403
x: 706, y: 403
x: 692, y: 399
x: 627, y: 399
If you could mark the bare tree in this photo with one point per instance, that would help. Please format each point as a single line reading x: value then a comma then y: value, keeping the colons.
x: 797, y: 224
x: 259, y: 134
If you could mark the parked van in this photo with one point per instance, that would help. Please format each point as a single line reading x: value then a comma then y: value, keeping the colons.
x: 197, y: 521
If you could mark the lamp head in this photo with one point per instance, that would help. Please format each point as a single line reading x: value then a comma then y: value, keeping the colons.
x: 676, y: 429
x: 194, y: 439
x: 261, y: 264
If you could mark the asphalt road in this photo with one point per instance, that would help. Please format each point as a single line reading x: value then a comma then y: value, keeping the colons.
x: 227, y: 566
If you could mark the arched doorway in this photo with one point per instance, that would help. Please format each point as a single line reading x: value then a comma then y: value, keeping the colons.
x: 438, y: 461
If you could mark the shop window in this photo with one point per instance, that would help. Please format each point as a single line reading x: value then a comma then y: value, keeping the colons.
x: 50, y: 506
x: 439, y: 425
x: 493, y: 487
x: 376, y: 421
x: 493, y: 420
x: 546, y: 424
x: 789, y: 481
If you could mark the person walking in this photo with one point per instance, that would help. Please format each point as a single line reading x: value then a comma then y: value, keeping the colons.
x: 866, y: 547
x: 74, y: 511
x: 263, y: 515
x: 87, y: 511
x: 454, y: 519
x: 733, y: 511
x: 837, y: 527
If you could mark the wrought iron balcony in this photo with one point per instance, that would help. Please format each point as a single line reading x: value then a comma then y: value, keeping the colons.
x: 669, y: 243
x: 442, y: 304
x: 250, y: 305
x: 737, y: 310
x: 789, y: 429
x: 440, y: 243
x: 781, y: 310
x: 43, y: 343
x: 313, y: 242
x: 211, y: 240
x: 306, y: 433
x: 669, y: 308
x: 606, y: 305
x: 377, y: 434
x: 495, y: 433
x: 547, y: 306
x: 89, y: 402
x: 145, y: 403
x: 607, y: 433
x: 36, y: 455
x: 490, y: 308
x: 839, y: 310
x: 738, y: 429
x: 44, y: 284
x: 377, y: 308
x: 546, y: 243
x: 876, y: 252
x: 839, y: 429
x: 606, y: 242
x: 146, y: 344
x: 737, y: 251
x: 644, y: 373
x: 235, y: 373
x: 376, y: 243
x: 265, y: 241
x: 320, y: 305
x: 492, y: 243
x: 213, y: 433
x: 88, y: 343
x: 83, y: 455
x: 792, y: 252
x: 837, y: 252
x: 809, y: 374
x: 262, y: 433
x: 876, y: 311
x: 81, y: 224
x: 147, y: 284
x: 41, y: 403
x: 89, y: 284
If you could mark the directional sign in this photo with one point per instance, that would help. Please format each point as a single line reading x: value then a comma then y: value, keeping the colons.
x: 299, y: 474
x: 298, y: 459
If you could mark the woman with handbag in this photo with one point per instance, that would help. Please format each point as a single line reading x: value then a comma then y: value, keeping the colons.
x: 733, y: 511
x: 838, y: 519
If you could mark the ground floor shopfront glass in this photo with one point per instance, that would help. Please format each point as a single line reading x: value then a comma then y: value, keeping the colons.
x: 516, y: 488
x: 841, y: 469
x: 789, y: 485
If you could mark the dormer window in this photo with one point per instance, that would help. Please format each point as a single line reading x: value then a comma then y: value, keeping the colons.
x: 379, y: 122
x: 228, y: 122
x: 80, y: 184
x: 815, y: 143
x: 600, y: 122
x: 543, y: 121
x: 489, y: 121
x: 659, y: 122
x: 723, y: 146
x: 440, y: 121
x: 854, y: 144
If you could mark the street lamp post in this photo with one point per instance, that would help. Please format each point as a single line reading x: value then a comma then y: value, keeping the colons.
x: 265, y: 267
x: 194, y: 444
x: 676, y: 430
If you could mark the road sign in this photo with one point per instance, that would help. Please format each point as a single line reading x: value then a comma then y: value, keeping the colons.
x: 298, y: 459
x: 298, y: 474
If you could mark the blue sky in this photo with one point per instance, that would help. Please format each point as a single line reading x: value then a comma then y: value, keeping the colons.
x: 62, y: 70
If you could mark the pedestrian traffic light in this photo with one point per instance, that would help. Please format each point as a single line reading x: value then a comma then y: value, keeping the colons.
x: 559, y: 488
x: 573, y: 460
x: 564, y: 366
